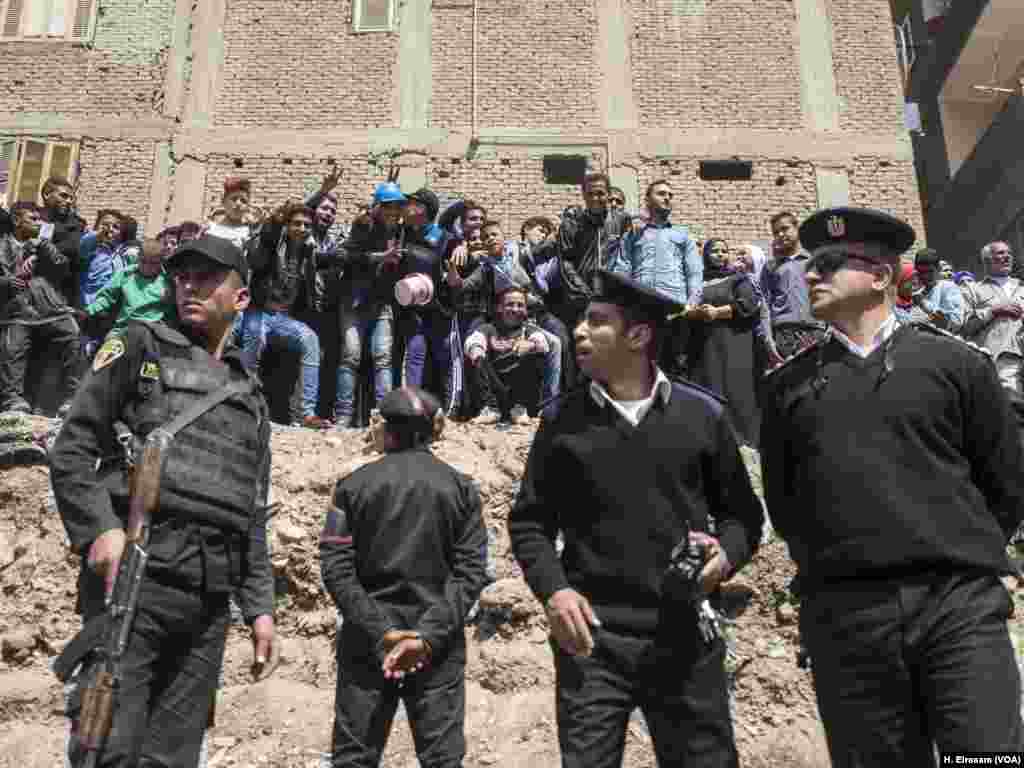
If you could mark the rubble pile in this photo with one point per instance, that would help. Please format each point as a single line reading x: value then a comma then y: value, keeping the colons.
x: 285, y: 721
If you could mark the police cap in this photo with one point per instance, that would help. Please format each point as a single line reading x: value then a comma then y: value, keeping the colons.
x: 832, y: 226
x: 614, y: 288
x: 216, y: 249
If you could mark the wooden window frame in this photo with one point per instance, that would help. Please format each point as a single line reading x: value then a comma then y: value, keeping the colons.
x: 15, y: 166
x: 79, y: 22
x: 357, y: 22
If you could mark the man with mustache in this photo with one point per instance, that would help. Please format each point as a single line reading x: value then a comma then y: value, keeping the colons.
x: 893, y: 470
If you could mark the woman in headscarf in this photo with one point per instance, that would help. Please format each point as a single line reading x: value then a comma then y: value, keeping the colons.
x: 721, y: 350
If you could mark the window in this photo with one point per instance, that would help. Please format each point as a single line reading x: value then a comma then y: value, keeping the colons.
x: 564, y: 169
x: 71, y: 20
x: 373, y: 15
x: 30, y: 162
x: 726, y: 170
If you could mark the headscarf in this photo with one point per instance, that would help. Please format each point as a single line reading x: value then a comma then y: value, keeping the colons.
x: 759, y: 259
x: 713, y: 271
x: 906, y: 273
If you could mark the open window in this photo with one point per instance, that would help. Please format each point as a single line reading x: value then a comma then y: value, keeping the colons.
x: 30, y: 162
x: 373, y: 15
x: 53, y: 20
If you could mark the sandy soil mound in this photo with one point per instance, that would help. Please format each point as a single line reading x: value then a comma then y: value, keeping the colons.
x: 286, y: 720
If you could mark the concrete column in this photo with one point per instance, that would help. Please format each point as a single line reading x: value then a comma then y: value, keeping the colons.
x: 627, y: 179
x: 189, y: 188
x: 413, y: 81
x: 160, y: 190
x: 615, y: 99
x: 174, y: 81
x: 819, y: 98
x: 207, y: 62
x: 833, y: 187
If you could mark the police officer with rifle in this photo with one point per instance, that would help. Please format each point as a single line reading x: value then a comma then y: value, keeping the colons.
x: 160, y: 474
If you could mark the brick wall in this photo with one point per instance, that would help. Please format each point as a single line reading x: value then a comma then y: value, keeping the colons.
x: 721, y: 64
x: 737, y: 211
x: 122, y: 74
x: 866, y: 69
x: 298, y: 64
x: 536, y: 64
x: 115, y: 174
x: 76, y: 82
x: 889, y: 186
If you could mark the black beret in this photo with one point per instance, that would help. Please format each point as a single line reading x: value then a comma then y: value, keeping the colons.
x: 856, y: 225
x: 410, y: 408
x: 615, y: 288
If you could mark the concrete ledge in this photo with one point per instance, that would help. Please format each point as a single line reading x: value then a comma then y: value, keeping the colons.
x: 830, y: 148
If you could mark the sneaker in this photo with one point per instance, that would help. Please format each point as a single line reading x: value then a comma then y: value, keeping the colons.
x: 487, y: 415
x: 518, y: 414
x: 315, y: 422
x: 63, y: 411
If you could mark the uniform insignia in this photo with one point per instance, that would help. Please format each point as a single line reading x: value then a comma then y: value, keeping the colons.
x: 836, y: 226
x: 112, y: 349
x: 150, y: 370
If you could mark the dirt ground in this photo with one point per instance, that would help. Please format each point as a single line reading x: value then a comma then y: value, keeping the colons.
x: 285, y: 721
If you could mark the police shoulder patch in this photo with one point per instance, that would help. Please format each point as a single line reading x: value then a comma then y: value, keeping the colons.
x: 112, y: 349
x: 150, y: 370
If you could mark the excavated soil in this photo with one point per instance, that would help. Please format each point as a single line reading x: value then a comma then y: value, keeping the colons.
x: 285, y: 721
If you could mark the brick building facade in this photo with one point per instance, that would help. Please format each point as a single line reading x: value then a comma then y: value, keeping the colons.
x: 159, y: 100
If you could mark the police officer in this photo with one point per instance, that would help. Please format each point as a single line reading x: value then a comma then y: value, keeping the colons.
x: 893, y: 470
x: 403, y: 556
x: 209, y: 536
x: 627, y: 466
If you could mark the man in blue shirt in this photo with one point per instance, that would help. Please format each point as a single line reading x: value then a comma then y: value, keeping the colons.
x: 663, y: 256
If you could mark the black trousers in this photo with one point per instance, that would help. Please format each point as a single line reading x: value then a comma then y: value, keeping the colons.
x: 520, y: 386
x: 681, y: 690
x: 17, y: 342
x: 365, y: 705
x: 899, y: 665
x: 170, y: 672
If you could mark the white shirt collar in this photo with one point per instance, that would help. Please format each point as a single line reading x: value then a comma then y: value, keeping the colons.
x: 662, y: 388
x: 885, y: 330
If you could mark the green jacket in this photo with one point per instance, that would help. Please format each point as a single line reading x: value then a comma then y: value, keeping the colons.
x: 135, y: 297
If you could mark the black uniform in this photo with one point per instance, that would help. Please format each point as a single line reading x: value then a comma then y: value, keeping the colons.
x: 403, y: 548
x: 897, y: 480
x: 208, y: 539
x: 623, y: 497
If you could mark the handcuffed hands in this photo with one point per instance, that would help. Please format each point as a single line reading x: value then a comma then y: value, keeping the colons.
x: 406, y: 652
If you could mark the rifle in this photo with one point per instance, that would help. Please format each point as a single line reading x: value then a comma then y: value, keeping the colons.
x: 103, y: 678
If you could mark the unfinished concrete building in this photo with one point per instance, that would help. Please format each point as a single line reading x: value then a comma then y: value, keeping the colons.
x: 747, y: 106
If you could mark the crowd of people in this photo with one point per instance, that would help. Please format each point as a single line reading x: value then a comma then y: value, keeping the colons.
x: 447, y: 300
x: 879, y: 391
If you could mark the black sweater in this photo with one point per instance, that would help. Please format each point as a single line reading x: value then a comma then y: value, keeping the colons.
x: 871, y: 475
x: 624, y: 496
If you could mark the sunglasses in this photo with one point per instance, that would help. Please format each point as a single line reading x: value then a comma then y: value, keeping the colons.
x: 830, y: 262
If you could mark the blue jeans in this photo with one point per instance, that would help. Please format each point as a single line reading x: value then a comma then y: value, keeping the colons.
x: 368, y: 322
x: 430, y: 344
x: 259, y: 326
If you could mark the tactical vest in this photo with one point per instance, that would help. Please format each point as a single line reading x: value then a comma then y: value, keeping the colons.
x: 215, y: 466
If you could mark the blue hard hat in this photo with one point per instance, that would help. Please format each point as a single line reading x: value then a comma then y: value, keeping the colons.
x: 388, y: 192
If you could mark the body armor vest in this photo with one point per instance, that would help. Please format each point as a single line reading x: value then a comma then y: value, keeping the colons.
x: 215, y: 466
